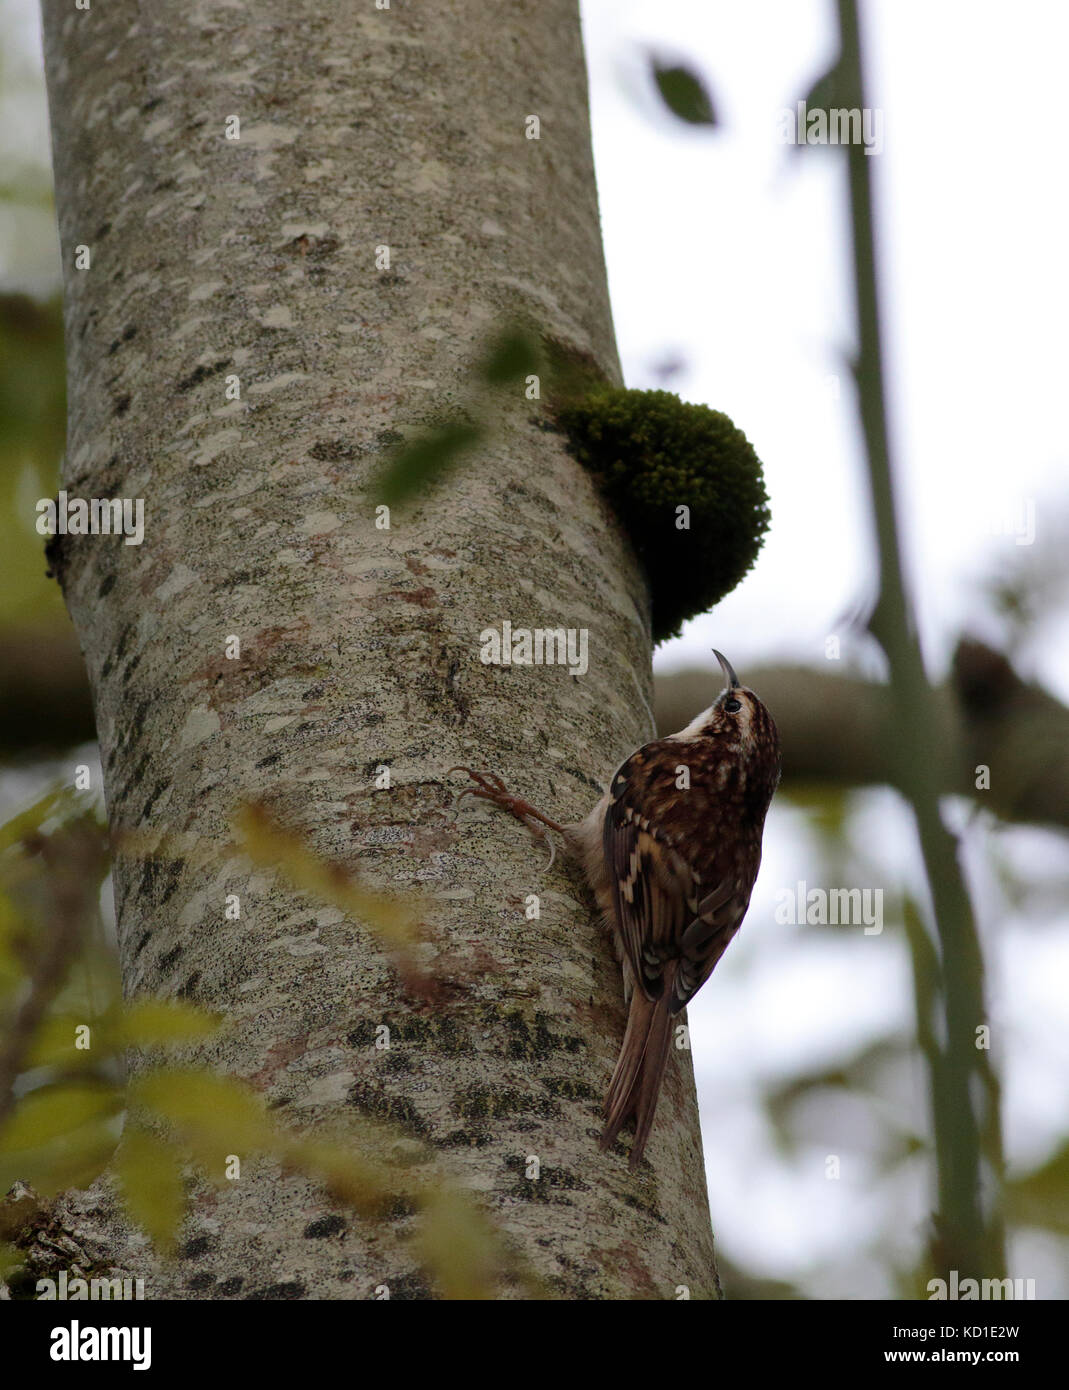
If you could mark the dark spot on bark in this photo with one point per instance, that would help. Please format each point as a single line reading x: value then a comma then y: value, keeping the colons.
x: 198, y: 1246
x: 437, y: 1034
x: 325, y: 1226
x: 466, y: 1139
x: 547, y: 1187
x: 186, y: 991
x: 135, y: 662
x: 202, y: 373
x: 398, y: 1061
x: 169, y: 959
x: 646, y: 1208
x: 271, y: 759
x: 229, y: 1287
x: 491, y: 1102
x: 157, y: 791
x: 423, y: 598
x: 313, y: 692
x: 204, y: 1280
x: 152, y: 103
x: 120, y: 652
x: 165, y: 185
x: 174, y: 873
x: 231, y: 581
x: 569, y: 1089
x: 331, y: 450
x: 159, y: 880
x: 145, y: 937
x: 395, y: 1109
x: 122, y: 405
x: 387, y: 438
x: 278, y: 1292
x: 149, y: 875
x: 106, y: 586
x: 102, y: 231
x: 533, y: 1044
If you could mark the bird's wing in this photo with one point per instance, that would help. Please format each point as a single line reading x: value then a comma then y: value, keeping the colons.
x: 664, y: 909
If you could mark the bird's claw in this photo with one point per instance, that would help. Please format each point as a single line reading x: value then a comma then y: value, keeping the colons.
x: 491, y: 788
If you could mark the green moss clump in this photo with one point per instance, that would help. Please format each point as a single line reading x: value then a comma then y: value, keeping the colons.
x: 651, y: 454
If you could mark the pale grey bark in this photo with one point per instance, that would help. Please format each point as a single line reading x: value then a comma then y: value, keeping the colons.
x: 359, y: 128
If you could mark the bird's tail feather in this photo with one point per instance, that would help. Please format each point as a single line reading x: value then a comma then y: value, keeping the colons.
x: 636, y: 1082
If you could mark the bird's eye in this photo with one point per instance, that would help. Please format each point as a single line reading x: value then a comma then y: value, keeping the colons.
x: 733, y: 706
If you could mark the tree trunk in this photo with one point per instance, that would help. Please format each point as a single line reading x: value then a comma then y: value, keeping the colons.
x: 255, y: 258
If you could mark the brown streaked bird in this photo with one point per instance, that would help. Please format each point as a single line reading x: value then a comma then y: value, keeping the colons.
x: 671, y: 851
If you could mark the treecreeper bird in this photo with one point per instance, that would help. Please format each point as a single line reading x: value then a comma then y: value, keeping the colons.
x: 671, y: 852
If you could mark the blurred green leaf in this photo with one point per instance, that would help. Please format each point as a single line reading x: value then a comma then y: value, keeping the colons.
x: 151, y: 1178
x: 512, y: 356
x: 685, y: 94
x: 33, y: 421
x: 45, y: 1114
x: 393, y: 917
x: 155, y: 1022
x: 458, y: 1246
x: 13, y: 831
x: 424, y: 462
x: 1041, y: 1198
x: 217, y: 1107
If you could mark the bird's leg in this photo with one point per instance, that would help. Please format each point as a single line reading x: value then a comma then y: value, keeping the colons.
x: 491, y: 788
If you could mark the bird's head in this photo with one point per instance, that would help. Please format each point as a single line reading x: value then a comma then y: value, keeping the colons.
x: 739, y: 722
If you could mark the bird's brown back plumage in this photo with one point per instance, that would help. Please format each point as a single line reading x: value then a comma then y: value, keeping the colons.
x: 671, y: 851
x: 681, y: 852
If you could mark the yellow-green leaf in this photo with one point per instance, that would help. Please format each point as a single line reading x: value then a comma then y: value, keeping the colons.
x: 218, y: 1107
x: 54, y: 1043
x: 151, y: 1177
x: 458, y: 1246
x: 52, y: 1111
x: 152, y: 1022
x: 266, y: 842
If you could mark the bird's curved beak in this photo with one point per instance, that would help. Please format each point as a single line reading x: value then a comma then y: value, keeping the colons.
x: 727, y: 668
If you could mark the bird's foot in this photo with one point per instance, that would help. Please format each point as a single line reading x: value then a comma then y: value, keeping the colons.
x: 490, y: 787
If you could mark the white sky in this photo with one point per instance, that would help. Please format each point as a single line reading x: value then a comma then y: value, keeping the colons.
x: 728, y: 249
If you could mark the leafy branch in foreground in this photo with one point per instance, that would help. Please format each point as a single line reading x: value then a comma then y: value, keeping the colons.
x: 64, y: 1094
